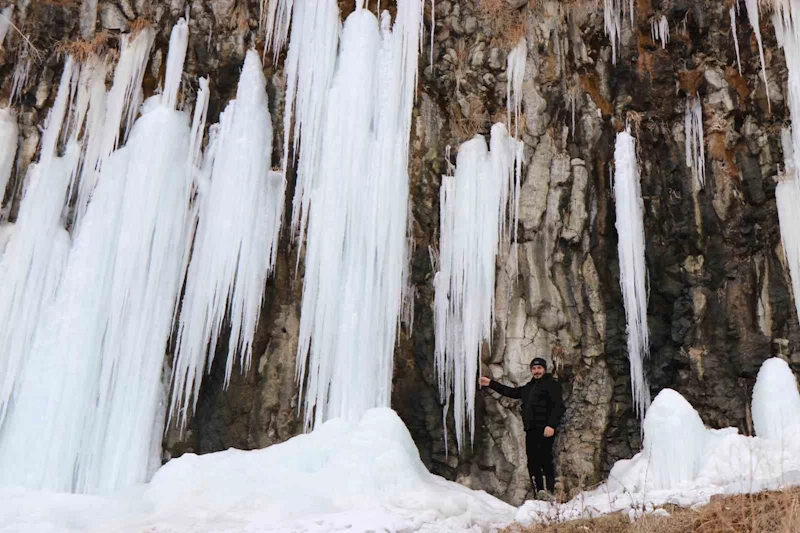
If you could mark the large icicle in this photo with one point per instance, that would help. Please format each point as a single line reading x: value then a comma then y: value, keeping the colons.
x: 232, y: 255
x: 477, y: 204
x: 515, y: 72
x: 9, y: 138
x: 613, y: 14
x: 753, y: 15
x: 632, y: 269
x: 35, y: 253
x: 356, y: 255
x: 695, y: 141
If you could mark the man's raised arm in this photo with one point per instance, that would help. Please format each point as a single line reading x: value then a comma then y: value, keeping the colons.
x: 509, y: 392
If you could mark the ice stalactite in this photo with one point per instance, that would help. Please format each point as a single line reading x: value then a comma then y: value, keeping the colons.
x: 753, y: 16
x: 613, y: 15
x: 733, y: 12
x: 233, y: 256
x: 659, y: 30
x: 309, y: 65
x: 148, y: 266
x: 515, y: 71
x: 632, y: 267
x: 356, y: 247
x: 478, y: 207
x: 776, y: 400
x: 35, y: 253
x: 695, y: 139
x: 9, y: 139
x: 675, y: 441
x: 5, y: 22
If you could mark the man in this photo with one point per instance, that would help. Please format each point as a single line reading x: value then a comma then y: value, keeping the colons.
x: 542, y: 408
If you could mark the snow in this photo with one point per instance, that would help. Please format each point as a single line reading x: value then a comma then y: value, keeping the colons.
x: 695, y: 142
x: 633, y: 271
x: 233, y: 256
x: 356, y: 248
x: 685, y: 464
x: 344, y: 476
x: 478, y: 205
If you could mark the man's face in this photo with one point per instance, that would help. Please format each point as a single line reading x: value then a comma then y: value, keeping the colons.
x: 537, y: 371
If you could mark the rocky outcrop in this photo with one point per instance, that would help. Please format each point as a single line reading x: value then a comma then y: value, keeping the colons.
x: 720, y: 298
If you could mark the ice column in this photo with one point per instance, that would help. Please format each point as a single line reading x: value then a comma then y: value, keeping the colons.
x: 356, y: 258
x: 477, y: 204
x: 35, y: 253
x: 675, y: 441
x: 233, y: 255
x: 776, y: 401
x: 695, y: 142
x: 752, y: 15
x: 632, y: 269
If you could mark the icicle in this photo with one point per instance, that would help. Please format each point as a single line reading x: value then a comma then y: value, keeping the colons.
x: 659, y: 31
x: 232, y: 257
x: 477, y: 205
x: 9, y: 137
x: 31, y: 265
x: 515, y: 72
x: 5, y: 22
x: 356, y: 258
x: 613, y: 13
x: 735, y: 38
x: 178, y: 43
x: 309, y: 69
x: 695, y: 142
x: 20, y: 77
x: 632, y: 269
x: 279, y: 17
x: 752, y: 15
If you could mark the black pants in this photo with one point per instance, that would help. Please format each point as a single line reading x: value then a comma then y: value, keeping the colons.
x: 540, y: 459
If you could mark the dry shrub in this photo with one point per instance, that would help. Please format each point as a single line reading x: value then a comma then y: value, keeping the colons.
x: 506, y: 23
x: 466, y: 123
x: 766, y: 512
x: 80, y: 50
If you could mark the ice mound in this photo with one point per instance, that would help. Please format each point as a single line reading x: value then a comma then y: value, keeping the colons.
x: 341, y: 477
x: 776, y: 401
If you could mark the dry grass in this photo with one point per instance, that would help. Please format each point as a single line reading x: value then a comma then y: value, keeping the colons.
x: 766, y: 512
x: 507, y: 26
x: 80, y: 50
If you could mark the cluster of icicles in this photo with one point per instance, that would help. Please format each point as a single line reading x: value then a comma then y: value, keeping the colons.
x: 120, y: 237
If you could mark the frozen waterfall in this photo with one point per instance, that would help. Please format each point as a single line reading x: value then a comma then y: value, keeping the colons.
x: 632, y: 268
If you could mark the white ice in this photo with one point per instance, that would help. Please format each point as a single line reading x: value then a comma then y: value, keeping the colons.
x: 515, y: 71
x: 695, y: 139
x: 5, y: 22
x: 354, y: 477
x: 733, y: 13
x: 613, y: 15
x: 753, y: 16
x: 9, y: 138
x: 659, y: 30
x: 776, y: 401
x: 632, y: 267
x: 233, y: 255
x: 478, y: 206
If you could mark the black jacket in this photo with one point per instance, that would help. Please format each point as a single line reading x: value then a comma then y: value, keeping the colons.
x: 542, y: 404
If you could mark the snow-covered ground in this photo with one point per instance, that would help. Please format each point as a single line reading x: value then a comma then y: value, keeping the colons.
x: 367, y: 476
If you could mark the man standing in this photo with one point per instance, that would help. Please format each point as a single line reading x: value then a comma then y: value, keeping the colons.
x: 542, y: 408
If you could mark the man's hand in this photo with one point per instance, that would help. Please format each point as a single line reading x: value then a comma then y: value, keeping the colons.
x: 549, y: 432
x: 484, y: 382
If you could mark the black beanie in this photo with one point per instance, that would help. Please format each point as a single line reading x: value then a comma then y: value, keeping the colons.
x: 539, y: 361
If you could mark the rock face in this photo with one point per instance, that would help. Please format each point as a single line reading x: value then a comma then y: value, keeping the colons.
x: 720, y: 298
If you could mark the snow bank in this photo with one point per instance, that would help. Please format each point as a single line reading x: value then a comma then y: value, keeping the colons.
x: 343, y: 476
x: 685, y: 464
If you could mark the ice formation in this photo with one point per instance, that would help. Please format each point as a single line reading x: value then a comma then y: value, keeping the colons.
x: 358, y: 477
x: 9, y: 134
x: 674, y: 440
x: 776, y: 401
x: 695, y: 142
x: 233, y: 256
x: 5, y: 22
x: 356, y: 248
x: 478, y: 206
x: 515, y: 71
x: 613, y: 14
x: 753, y: 16
x: 632, y: 268
x: 659, y: 30
x: 733, y: 12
